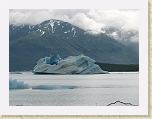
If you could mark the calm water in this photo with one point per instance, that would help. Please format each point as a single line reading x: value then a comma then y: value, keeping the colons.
x: 88, y: 90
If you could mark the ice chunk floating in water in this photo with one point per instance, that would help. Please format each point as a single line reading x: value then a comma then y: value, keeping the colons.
x: 53, y: 87
x: 14, y: 84
x: 71, y: 65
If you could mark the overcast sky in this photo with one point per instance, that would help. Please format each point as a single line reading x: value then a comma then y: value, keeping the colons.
x: 94, y: 19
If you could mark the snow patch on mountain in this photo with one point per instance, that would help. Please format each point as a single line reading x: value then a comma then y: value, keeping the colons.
x: 52, y: 25
x: 42, y: 33
x: 72, y: 28
x: 74, y: 33
x: 58, y: 23
x: 29, y: 27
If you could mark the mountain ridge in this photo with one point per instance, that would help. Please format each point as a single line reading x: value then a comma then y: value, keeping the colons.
x: 28, y: 43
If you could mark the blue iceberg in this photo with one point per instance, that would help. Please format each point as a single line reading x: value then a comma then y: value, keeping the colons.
x: 53, y: 87
x: 14, y: 84
x: 71, y: 65
x: 53, y: 59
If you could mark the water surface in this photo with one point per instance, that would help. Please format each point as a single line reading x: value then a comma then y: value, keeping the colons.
x: 76, y: 90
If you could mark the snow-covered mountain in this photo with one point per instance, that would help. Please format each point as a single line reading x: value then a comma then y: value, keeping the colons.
x: 49, y: 26
x: 28, y: 43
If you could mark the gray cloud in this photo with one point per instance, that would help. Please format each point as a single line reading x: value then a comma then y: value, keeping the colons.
x: 93, y: 19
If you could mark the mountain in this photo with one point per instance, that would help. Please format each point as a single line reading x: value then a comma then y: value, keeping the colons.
x: 28, y: 43
x: 125, y: 36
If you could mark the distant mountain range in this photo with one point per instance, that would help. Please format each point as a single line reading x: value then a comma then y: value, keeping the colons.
x: 29, y: 43
x: 128, y: 37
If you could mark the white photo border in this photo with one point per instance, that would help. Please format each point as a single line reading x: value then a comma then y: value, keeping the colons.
x: 142, y: 109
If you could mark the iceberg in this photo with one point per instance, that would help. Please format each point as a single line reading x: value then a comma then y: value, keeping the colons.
x: 53, y: 87
x: 16, y: 72
x: 14, y: 84
x: 71, y: 65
